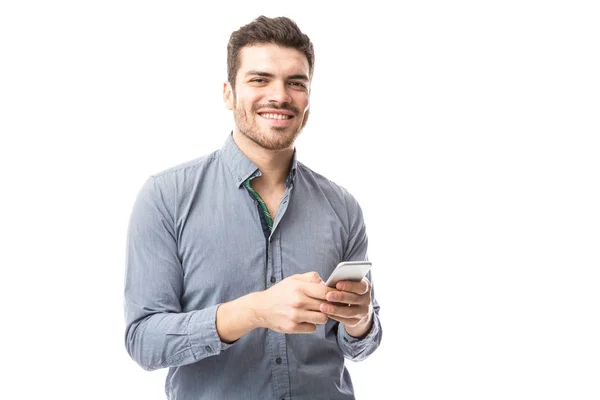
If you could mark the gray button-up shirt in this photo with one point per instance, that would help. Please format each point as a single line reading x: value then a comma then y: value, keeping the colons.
x: 196, y: 240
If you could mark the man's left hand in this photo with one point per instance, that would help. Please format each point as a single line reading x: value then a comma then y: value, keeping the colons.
x: 351, y: 305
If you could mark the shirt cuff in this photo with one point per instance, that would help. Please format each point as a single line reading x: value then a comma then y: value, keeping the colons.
x: 355, y: 346
x: 202, y: 333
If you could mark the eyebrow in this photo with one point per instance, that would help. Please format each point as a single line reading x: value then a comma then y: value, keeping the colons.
x: 269, y: 75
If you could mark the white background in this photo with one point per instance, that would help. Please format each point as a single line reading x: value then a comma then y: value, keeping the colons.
x: 468, y: 131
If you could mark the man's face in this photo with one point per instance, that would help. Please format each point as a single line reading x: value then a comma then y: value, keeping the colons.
x: 271, y: 100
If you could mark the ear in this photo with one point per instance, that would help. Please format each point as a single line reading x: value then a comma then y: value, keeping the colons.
x: 228, y: 96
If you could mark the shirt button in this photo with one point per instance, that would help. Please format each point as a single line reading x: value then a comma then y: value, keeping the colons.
x: 273, y: 279
x: 208, y: 348
x: 278, y: 360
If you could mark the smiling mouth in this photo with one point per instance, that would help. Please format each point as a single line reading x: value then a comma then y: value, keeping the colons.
x: 275, y: 116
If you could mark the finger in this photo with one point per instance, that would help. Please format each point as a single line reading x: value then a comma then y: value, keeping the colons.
x: 299, y: 300
x: 346, y: 298
x: 361, y: 287
x: 312, y: 276
x: 304, y: 328
x: 311, y: 317
x: 310, y: 304
x: 343, y: 311
x: 295, y: 327
x: 317, y: 291
x: 346, y: 321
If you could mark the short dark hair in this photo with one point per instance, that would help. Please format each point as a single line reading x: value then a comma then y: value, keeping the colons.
x: 281, y: 31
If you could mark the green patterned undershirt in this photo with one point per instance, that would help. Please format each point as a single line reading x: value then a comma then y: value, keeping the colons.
x: 262, y: 204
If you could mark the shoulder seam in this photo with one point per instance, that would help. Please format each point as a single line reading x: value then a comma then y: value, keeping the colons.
x: 190, y: 164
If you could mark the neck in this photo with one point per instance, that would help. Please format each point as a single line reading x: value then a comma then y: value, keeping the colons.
x: 274, y: 165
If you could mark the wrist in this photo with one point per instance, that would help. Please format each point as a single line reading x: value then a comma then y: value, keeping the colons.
x: 360, y: 330
x: 236, y: 318
x: 255, y: 312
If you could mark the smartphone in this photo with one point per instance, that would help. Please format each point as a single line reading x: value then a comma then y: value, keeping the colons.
x: 348, y: 271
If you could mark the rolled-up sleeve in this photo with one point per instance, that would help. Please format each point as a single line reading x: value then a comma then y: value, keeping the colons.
x: 158, y: 334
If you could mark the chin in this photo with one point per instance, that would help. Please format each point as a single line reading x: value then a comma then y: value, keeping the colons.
x: 285, y: 140
x: 276, y: 145
x: 274, y: 139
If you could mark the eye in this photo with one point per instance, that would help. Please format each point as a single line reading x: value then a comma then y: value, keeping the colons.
x: 298, y: 84
x: 258, y: 80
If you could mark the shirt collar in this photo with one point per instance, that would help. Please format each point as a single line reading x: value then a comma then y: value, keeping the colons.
x: 242, y: 168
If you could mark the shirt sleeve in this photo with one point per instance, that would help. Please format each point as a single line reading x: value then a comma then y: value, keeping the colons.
x: 357, y: 349
x: 158, y: 334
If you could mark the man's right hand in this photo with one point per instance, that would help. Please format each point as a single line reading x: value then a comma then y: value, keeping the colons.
x: 293, y: 305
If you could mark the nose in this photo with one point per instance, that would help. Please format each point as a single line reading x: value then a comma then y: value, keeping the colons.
x: 279, y: 93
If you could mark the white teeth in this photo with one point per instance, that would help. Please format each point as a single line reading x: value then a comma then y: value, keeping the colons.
x: 276, y: 116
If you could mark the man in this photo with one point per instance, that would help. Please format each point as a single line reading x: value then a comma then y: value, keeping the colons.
x: 225, y: 253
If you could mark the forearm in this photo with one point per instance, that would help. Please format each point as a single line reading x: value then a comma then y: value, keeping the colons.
x: 236, y: 318
x: 172, y: 339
